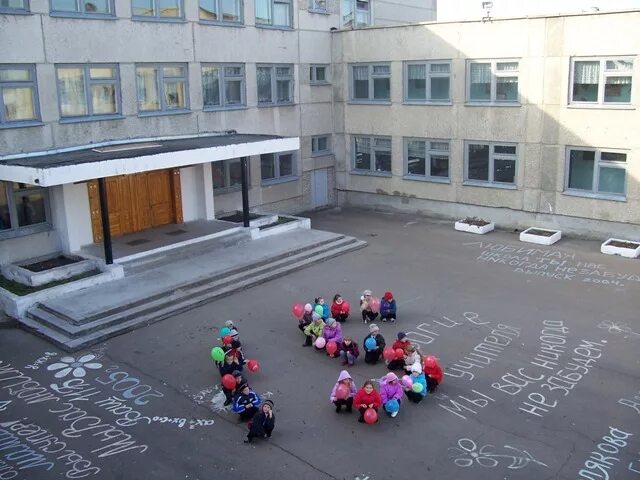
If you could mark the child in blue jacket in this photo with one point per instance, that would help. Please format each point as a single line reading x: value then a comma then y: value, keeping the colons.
x: 246, y: 402
x: 388, y: 308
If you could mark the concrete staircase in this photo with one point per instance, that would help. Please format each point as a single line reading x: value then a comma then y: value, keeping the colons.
x: 72, y: 331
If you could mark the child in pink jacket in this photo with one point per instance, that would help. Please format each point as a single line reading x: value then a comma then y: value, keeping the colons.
x: 344, y: 383
x: 391, y: 393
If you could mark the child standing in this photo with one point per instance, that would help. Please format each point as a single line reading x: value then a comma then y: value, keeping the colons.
x: 388, y: 308
x: 433, y: 373
x: 339, y: 308
x: 332, y: 332
x: 418, y: 378
x: 348, y: 351
x: 344, y: 382
x: 390, y: 390
x: 263, y: 422
x: 367, y: 397
x: 246, y: 402
x: 313, y: 330
x: 368, y: 315
x: 373, y: 348
x: 401, y: 343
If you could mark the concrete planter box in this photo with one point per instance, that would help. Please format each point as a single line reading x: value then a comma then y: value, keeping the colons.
x: 530, y: 236
x: 35, y: 279
x: 299, y: 222
x: 466, y: 227
x: 628, y: 252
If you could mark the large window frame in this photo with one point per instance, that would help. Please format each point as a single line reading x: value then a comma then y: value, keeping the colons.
x: 433, y: 150
x: 227, y: 73
x: 355, y: 13
x: 156, y: 12
x: 25, y: 9
x: 88, y: 83
x: 318, y: 6
x: 226, y: 172
x: 377, y: 75
x: 606, y: 76
x: 599, y: 164
x: 431, y: 74
x: 84, y: 8
x: 497, y: 77
x: 217, y: 13
x: 494, y: 160
x: 278, y: 167
x: 277, y: 76
x: 161, y: 82
x: 268, y: 11
x: 372, y: 149
x: 10, y: 209
x: 31, y: 83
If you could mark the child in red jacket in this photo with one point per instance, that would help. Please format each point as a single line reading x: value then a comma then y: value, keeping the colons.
x: 367, y: 397
x: 433, y: 372
x: 401, y: 343
x: 339, y: 308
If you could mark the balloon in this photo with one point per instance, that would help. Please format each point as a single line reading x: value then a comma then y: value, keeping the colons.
x: 407, y: 381
x: 225, y: 331
x: 392, y: 406
x: 320, y: 342
x: 319, y: 310
x: 370, y: 416
x: 228, y: 381
x: 417, y: 387
x: 374, y: 304
x: 399, y: 353
x: 389, y: 353
x: 308, y: 307
x: 342, y: 392
x: 297, y: 310
x: 430, y: 361
x: 253, y: 365
x: 370, y: 343
x: 217, y: 354
x: 346, y: 307
x: 227, y: 339
x: 332, y: 347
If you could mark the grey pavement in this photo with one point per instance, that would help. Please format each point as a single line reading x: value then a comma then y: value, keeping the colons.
x: 540, y: 346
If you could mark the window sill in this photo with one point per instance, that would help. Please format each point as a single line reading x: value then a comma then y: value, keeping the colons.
x: 369, y: 173
x: 430, y: 103
x: 471, y: 103
x: 225, y: 109
x: 160, y: 113
x: 271, y: 105
x: 35, y: 123
x: 8, y: 11
x: 595, y: 196
x: 419, y: 178
x: 478, y: 183
x: 84, y: 16
x: 25, y: 231
x: 159, y: 19
x: 222, y: 24
x: 600, y: 106
x: 275, y: 27
x: 90, y: 119
x: 321, y: 12
x: 278, y: 181
x: 324, y: 153
x: 369, y: 102
x: 320, y: 84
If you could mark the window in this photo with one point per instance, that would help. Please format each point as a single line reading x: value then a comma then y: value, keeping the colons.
x: 227, y: 174
x: 372, y: 154
x: 14, y: 6
x: 601, y: 81
x: 275, y: 84
x: 318, y: 6
x: 276, y: 166
x: 221, y: 11
x: 356, y: 13
x: 492, y: 81
x: 427, y: 81
x: 162, y: 88
x: 23, y: 208
x: 223, y: 86
x: 371, y: 83
x: 319, y: 74
x: 491, y: 163
x: 596, y: 172
x: 90, y: 91
x: 426, y: 158
x: 320, y: 145
x: 275, y: 13
x: 83, y: 7
x: 18, y: 96
x: 157, y: 9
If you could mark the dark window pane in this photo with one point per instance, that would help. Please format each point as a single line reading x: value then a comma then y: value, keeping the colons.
x: 217, y: 172
x: 478, y: 167
x: 321, y: 74
x: 362, y: 154
x: 439, y: 88
x: 581, y: 164
x: 613, y: 157
x: 617, y: 89
x: 233, y: 92
x: 439, y: 166
x: 611, y: 180
x: 381, y: 88
x: 5, y: 217
x: 507, y: 89
x: 506, y: 149
x: 383, y: 161
x: 416, y: 158
x: 283, y: 91
x: 361, y: 89
x: 504, y: 170
x: 286, y: 165
x: 235, y: 173
x: 210, y: 86
x: 267, y: 166
x: 30, y: 208
x: 264, y: 84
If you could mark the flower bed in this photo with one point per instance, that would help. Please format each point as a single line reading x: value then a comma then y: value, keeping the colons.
x: 624, y: 248
x: 541, y: 236
x: 474, y: 225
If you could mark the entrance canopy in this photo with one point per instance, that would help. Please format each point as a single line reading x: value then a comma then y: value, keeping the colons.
x: 57, y: 167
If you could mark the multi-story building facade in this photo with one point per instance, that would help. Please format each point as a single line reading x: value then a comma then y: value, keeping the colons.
x: 525, y: 121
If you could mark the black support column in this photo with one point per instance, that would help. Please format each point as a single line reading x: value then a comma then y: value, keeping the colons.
x: 106, y: 228
x: 245, y: 191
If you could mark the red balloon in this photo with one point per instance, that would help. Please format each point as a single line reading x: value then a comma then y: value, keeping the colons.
x: 374, y: 304
x: 389, y: 354
x: 253, y: 365
x: 370, y: 416
x: 342, y: 392
x: 298, y: 310
x: 345, y: 307
x: 332, y: 347
x: 228, y: 381
x: 227, y: 339
x: 399, y: 353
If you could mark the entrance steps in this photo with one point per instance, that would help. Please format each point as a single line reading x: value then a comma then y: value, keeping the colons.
x: 76, y: 328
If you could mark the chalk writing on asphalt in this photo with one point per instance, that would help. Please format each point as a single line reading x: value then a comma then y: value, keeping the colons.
x: 606, y: 455
x: 467, y: 454
x: 427, y: 332
x: 39, y: 361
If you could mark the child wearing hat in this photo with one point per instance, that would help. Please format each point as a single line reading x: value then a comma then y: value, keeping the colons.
x: 345, y: 380
x: 263, y: 422
x: 246, y: 402
x: 348, y: 351
x: 368, y: 315
x: 373, y: 345
x: 416, y: 394
x: 391, y: 393
x: 307, y: 317
x: 313, y: 330
x: 401, y: 343
x: 411, y: 357
x: 319, y: 302
x: 367, y: 397
x: 332, y: 332
x: 388, y: 308
x: 433, y: 372
x: 339, y: 308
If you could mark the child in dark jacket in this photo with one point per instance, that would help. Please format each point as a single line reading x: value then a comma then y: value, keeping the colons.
x: 367, y: 397
x: 307, y: 317
x: 345, y: 382
x: 246, y: 403
x: 262, y: 423
x: 240, y: 381
x: 373, y: 345
x: 348, y: 351
x: 388, y: 308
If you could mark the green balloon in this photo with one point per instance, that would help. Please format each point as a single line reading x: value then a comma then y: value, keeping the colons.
x: 225, y: 331
x: 319, y: 310
x: 217, y: 354
x: 417, y: 387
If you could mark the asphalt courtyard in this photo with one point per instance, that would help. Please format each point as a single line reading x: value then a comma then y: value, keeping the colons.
x: 539, y: 344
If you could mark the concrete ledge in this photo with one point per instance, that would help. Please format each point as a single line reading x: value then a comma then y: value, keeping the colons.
x: 22, y: 275
x: 623, y: 252
x: 299, y: 222
x: 529, y: 237
x: 465, y: 227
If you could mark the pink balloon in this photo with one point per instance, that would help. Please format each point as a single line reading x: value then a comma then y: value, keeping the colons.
x: 346, y: 307
x: 407, y: 381
x: 332, y: 347
x: 342, y: 392
x: 297, y: 310
x: 389, y: 353
x: 374, y: 304
x: 253, y: 365
x: 370, y: 416
x: 320, y: 342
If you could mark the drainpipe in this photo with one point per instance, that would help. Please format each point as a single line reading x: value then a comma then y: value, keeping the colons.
x: 104, y: 215
x: 245, y: 191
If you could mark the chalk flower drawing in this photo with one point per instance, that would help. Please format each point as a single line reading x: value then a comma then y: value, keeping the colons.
x: 70, y: 364
x: 467, y: 454
x: 613, y: 327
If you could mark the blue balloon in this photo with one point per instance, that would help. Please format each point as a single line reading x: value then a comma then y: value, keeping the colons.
x: 392, y: 406
x: 370, y: 343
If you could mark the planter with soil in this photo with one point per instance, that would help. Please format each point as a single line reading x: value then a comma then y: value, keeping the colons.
x: 279, y: 224
x: 474, y: 225
x: 255, y: 219
x: 45, y: 270
x: 541, y: 236
x: 624, y: 248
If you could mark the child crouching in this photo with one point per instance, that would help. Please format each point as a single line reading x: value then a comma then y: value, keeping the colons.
x: 343, y: 392
x: 348, y: 351
x: 263, y: 422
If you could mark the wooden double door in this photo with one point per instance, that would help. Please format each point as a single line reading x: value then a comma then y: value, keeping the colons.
x: 137, y: 202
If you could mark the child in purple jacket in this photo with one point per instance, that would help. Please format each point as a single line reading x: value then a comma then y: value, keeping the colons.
x: 390, y: 391
x: 332, y: 331
x: 344, y: 383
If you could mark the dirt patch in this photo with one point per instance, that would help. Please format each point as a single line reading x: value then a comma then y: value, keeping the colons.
x: 541, y: 233
x: 21, y: 290
x: 478, y: 222
x: 616, y: 243
x: 238, y: 218
x: 280, y: 221
x: 50, y: 263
